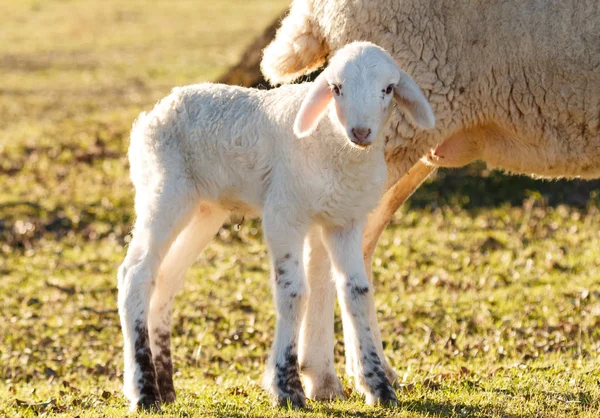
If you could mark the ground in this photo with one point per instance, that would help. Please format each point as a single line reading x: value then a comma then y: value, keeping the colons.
x: 486, y: 285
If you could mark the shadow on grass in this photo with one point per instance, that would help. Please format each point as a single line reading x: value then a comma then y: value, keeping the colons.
x: 469, y: 188
x: 475, y: 187
x: 426, y: 408
x: 24, y: 223
x: 420, y: 407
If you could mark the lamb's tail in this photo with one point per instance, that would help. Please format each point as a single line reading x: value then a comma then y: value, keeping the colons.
x: 299, y: 47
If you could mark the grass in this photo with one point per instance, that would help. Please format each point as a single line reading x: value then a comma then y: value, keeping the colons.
x: 487, y: 285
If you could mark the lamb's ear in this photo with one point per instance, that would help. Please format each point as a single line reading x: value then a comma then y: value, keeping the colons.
x: 409, y: 97
x: 313, y: 107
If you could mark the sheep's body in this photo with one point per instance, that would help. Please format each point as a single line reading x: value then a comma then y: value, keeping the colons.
x: 516, y: 82
x: 513, y: 83
x: 207, y: 150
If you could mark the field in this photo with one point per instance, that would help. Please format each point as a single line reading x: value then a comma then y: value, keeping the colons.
x: 487, y: 286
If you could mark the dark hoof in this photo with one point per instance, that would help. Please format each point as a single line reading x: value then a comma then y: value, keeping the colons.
x: 383, y: 395
x: 294, y: 401
x: 290, y: 396
x: 389, y: 402
x: 387, y: 395
x: 148, y: 403
x: 168, y: 397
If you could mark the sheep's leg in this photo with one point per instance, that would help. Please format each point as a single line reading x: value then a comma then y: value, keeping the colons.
x: 285, y: 243
x: 315, y: 352
x: 354, y: 291
x: 204, y: 224
x: 154, y: 231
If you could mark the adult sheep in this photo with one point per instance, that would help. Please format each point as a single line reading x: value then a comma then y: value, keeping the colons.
x: 514, y: 83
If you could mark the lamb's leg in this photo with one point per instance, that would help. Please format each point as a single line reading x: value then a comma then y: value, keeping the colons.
x: 205, y: 223
x: 315, y: 351
x: 389, y: 371
x: 285, y: 243
x: 376, y: 224
x: 156, y: 226
x: 354, y: 290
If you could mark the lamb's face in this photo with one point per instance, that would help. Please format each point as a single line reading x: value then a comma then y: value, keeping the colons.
x: 359, y: 83
x: 362, y: 90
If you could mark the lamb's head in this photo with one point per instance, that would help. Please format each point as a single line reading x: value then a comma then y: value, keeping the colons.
x: 359, y: 84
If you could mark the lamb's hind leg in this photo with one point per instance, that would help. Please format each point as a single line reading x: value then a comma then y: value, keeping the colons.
x: 315, y: 353
x: 205, y: 222
x: 160, y: 218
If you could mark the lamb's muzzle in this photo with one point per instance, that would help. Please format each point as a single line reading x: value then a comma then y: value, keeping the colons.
x: 360, y: 136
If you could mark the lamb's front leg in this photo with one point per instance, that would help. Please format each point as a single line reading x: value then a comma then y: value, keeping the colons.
x: 354, y: 290
x: 282, y: 378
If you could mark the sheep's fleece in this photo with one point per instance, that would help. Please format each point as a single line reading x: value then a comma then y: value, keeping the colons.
x: 515, y: 83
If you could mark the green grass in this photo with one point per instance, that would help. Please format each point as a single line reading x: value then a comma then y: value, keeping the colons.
x: 487, y: 285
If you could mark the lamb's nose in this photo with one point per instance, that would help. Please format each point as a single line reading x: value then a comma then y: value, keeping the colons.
x: 361, y: 133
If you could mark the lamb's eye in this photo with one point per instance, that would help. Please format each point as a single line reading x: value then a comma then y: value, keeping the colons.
x: 335, y: 89
x: 389, y: 89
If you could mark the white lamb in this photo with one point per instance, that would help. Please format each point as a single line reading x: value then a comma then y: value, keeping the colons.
x: 207, y: 150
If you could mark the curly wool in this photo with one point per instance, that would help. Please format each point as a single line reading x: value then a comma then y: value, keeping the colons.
x: 513, y: 83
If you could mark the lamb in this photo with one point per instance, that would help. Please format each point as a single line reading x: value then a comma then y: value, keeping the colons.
x: 207, y: 150
x: 513, y: 83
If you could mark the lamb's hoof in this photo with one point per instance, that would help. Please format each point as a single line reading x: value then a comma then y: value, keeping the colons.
x: 168, y: 396
x: 389, y: 403
x: 324, y: 388
x: 283, y: 383
x: 383, y: 395
x: 149, y: 403
x: 377, y: 388
x: 293, y: 400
